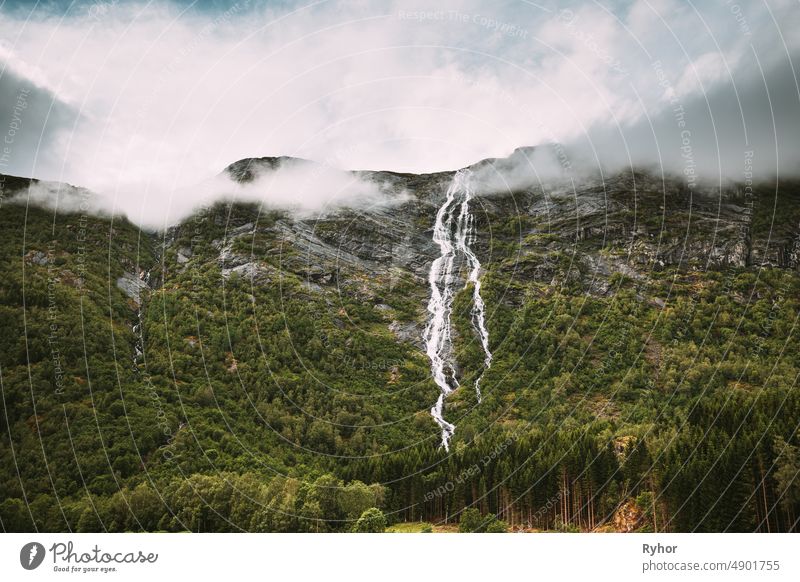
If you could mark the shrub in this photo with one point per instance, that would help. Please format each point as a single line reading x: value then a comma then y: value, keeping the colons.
x: 371, y: 521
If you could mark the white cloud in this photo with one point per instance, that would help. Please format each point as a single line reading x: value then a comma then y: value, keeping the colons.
x: 702, y: 74
x: 304, y: 188
x: 166, y: 97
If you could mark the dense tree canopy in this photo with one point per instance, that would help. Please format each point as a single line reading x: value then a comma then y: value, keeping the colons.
x: 226, y: 402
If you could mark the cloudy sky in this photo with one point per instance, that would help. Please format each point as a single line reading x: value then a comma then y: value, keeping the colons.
x: 134, y: 99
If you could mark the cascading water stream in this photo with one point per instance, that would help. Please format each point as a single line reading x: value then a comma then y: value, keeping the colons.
x: 478, y: 308
x: 454, y: 232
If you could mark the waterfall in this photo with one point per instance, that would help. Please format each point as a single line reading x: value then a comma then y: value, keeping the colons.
x: 454, y: 232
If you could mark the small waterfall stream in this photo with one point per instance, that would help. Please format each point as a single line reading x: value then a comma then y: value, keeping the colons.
x: 454, y: 232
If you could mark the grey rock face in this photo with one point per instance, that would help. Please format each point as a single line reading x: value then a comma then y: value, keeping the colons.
x: 408, y: 332
x: 184, y: 255
x: 38, y: 258
x: 578, y: 233
x: 132, y: 286
x: 253, y: 271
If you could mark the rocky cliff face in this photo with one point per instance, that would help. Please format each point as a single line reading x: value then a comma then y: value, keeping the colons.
x: 555, y: 232
x: 580, y: 233
x: 582, y: 238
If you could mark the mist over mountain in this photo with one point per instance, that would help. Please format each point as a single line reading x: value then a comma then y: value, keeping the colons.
x: 666, y: 86
x: 308, y: 188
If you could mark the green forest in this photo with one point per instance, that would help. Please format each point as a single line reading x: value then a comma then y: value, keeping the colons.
x: 224, y: 400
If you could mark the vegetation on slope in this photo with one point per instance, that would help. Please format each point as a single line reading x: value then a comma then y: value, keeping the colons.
x: 630, y: 389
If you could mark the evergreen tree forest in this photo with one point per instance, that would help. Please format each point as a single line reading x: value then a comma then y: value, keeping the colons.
x: 214, y: 378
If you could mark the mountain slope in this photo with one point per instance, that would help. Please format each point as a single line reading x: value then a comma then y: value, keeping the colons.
x: 251, y: 369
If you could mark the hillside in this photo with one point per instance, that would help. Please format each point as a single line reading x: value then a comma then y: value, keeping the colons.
x: 251, y: 369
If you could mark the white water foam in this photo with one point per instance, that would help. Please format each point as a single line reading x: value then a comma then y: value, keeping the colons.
x: 454, y: 232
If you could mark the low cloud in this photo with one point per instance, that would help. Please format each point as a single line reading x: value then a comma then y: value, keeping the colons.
x: 146, y: 102
x: 526, y: 168
x: 301, y: 187
x: 62, y: 198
